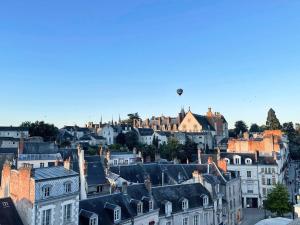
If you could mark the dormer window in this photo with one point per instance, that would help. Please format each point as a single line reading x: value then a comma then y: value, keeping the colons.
x: 227, y: 161
x: 46, y: 191
x: 237, y: 160
x: 151, y: 205
x: 248, y: 161
x: 168, y: 208
x: 93, y: 221
x: 67, y: 187
x: 139, y: 208
x: 205, y: 201
x: 117, y: 214
x: 185, y: 204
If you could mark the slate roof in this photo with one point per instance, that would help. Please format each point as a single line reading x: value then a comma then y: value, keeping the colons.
x: 204, y: 122
x: 145, y: 131
x: 9, y: 139
x: 39, y: 148
x: 194, y: 193
x: 11, y: 128
x: 95, y: 171
x: 9, y: 150
x: 8, y: 213
x: 40, y: 174
x: 261, y: 160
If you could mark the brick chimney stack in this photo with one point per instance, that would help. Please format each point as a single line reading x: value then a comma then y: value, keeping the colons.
x: 21, y: 146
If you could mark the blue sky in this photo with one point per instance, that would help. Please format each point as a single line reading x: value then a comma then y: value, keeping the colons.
x: 69, y: 62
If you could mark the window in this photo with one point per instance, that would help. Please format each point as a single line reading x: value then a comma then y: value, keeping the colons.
x: 140, y: 208
x: 269, y: 170
x: 273, y: 180
x: 168, y: 223
x: 117, y: 214
x: 185, y: 221
x: 237, y: 160
x: 205, y: 201
x: 42, y: 165
x: 168, y: 208
x: 115, y: 162
x: 185, y: 204
x: 263, y: 180
x: 262, y: 170
x: 46, y: 217
x: 67, y: 212
x: 46, y: 191
x: 196, y: 220
x: 67, y: 187
x: 273, y: 170
x: 93, y: 221
x: 248, y: 161
x: 264, y: 192
x: 150, y: 205
x: 249, y: 174
x: 99, y: 189
x: 268, y: 181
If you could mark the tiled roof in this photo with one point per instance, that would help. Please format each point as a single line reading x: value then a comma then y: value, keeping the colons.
x: 8, y: 213
x: 40, y: 174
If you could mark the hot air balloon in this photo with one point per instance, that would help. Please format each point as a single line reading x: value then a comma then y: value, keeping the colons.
x: 179, y: 91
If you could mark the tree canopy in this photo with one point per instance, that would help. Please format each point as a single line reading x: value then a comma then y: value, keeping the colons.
x: 278, y: 200
x: 240, y: 127
x: 40, y: 128
x: 272, y: 121
x: 254, y: 128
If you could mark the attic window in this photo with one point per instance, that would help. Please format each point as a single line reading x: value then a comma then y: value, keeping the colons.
x: 205, y: 201
x: 248, y: 161
x: 227, y: 161
x: 46, y: 191
x: 140, y: 208
x: 185, y: 204
x: 117, y: 214
x: 168, y: 208
x: 93, y: 221
x: 237, y: 160
x: 151, y: 205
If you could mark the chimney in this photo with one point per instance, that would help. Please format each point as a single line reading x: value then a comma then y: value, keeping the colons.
x: 218, y: 153
x: 148, y: 185
x: 21, y: 145
x: 107, y: 155
x: 67, y: 164
x: 85, y: 168
x: 134, y: 152
x: 209, y: 160
x: 124, y: 188
x: 100, y: 150
x: 222, y: 164
x: 199, y: 156
x: 198, y: 178
x: 246, y: 135
x: 256, y: 155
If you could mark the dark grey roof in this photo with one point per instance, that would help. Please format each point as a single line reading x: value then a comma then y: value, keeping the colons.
x: 9, y: 150
x: 164, y: 133
x: 8, y: 213
x: 95, y: 171
x: 145, y: 131
x: 9, y: 139
x: 39, y: 148
x: 40, y: 174
x: 14, y: 128
x: 204, y: 122
x: 261, y: 160
x: 194, y: 193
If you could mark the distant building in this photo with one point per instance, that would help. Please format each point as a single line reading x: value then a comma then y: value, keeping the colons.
x: 39, y: 160
x: 44, y: 196
x: 14, y: 132
x: 161, y: 123
x: 145, y: 135
x: 259, y: 175
x: 9, y: 142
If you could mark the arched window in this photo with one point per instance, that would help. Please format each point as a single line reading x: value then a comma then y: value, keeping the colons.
x: 248, y: 161
x: 185, y: 204
x: 205, y: 200
x: 68, y: 187
x: 227, y: 161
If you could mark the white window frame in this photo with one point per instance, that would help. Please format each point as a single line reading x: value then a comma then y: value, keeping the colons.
x: 185, y: 204
x: 196, y: 220
x: 185, y: 221
x: 140, y: 208
x: 67, y: 211
x: 117, y: 214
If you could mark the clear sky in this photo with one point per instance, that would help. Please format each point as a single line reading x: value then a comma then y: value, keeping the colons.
x: 69, y: 61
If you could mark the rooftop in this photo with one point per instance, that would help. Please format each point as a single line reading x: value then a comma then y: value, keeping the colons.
x: 40, y: 174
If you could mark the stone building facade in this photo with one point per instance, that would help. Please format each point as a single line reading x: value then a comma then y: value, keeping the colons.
x: 45, y: 196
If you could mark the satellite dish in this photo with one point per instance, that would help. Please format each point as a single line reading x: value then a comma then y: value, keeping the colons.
x: 179, y: 91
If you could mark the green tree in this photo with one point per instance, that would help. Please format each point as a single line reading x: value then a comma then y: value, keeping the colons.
x: 278, y: 200
x: 254, y: 128
x: 131, y: 118
x: 289, y: 130
x: 131, y: 139
x: 240, y: 127
x: 120, y: 139
x: 39, y: 128
x: 272, y: 121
